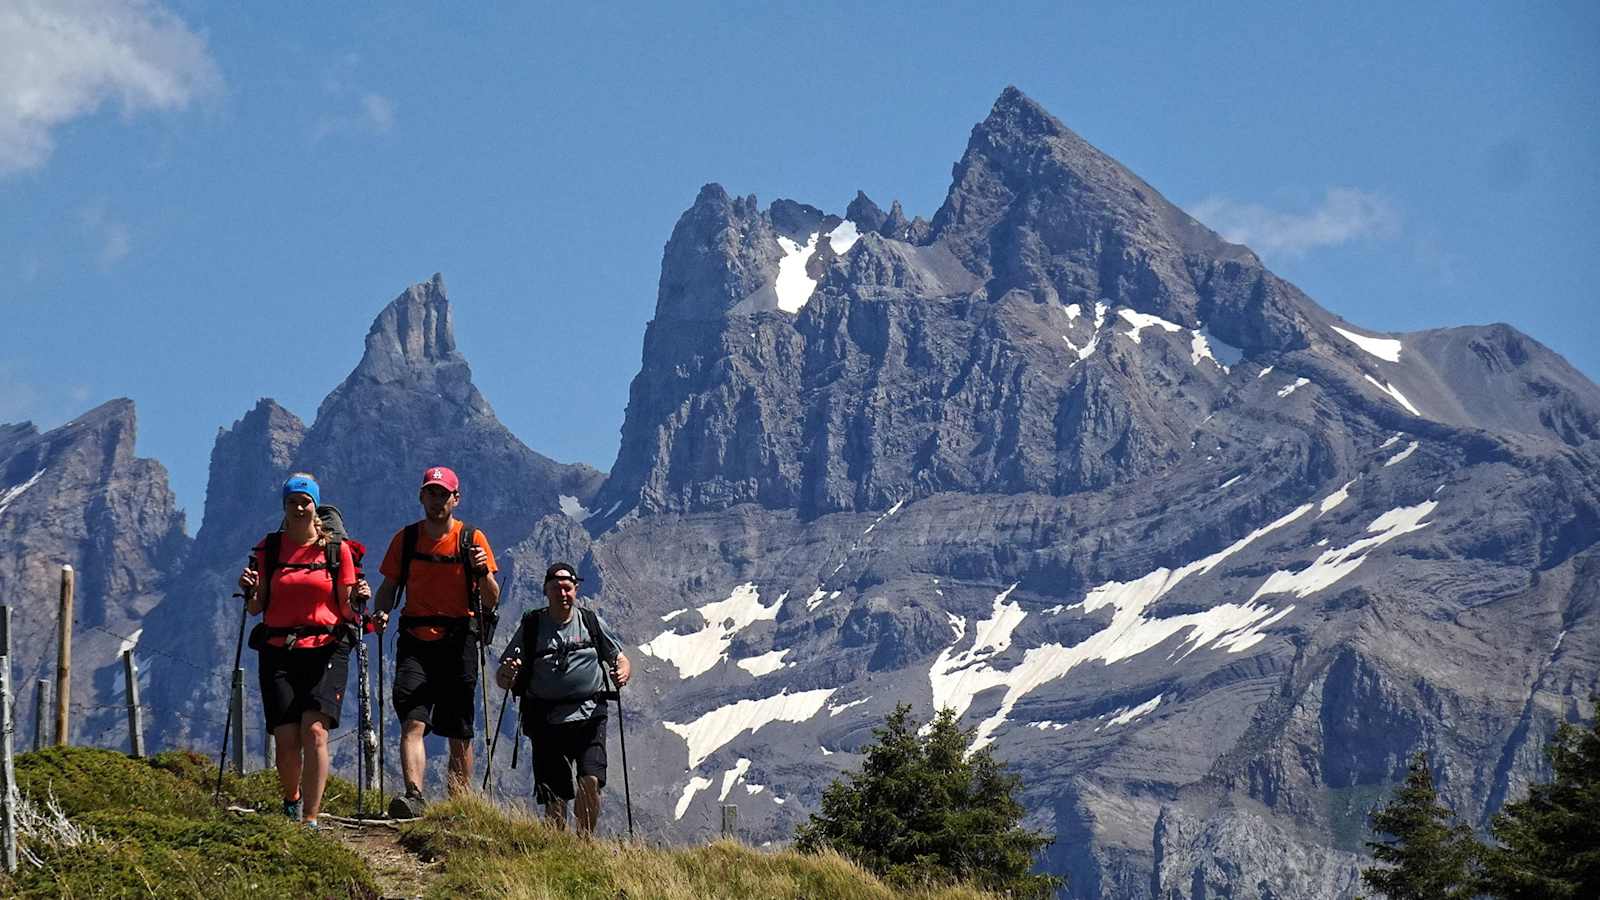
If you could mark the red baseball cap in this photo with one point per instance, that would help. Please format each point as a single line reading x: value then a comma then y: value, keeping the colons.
x: 441, y: 476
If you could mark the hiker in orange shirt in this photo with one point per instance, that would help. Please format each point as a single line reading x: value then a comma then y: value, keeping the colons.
x: 446, y: 569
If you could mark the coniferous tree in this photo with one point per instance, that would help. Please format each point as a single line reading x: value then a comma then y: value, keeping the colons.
x: 1549, y: 843
x: 1429, y: 855
x: 922, y: 810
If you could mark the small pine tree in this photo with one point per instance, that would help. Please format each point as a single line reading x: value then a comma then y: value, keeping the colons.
x: 922, y: 810
x: 1429, y: 857
x: 1549, y: 844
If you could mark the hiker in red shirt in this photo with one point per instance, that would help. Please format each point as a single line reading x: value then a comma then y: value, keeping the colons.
x: 303, y: 640
x: 446, y: 569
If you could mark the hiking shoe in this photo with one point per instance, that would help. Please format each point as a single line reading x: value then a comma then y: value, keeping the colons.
x: 292, y: 809
x: 312, y: 824
x: 409, y: 806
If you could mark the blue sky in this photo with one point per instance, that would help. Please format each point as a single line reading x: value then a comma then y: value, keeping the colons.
x: 203, y: 204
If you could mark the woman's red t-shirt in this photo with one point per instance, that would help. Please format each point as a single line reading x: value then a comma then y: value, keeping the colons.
x: 304, y: 596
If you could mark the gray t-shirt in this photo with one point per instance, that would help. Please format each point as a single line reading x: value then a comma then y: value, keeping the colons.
x: 580, y: 677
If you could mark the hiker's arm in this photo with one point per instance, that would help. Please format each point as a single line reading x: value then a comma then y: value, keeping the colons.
x: 621, y: 668
x: 510, y: 661
x: 488, y: 588
x: 248, y: 580
x: 384, y: 603
x: 341, y: 602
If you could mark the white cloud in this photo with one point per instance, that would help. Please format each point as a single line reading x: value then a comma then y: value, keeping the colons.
x: 374, y: 114
x: 1345, y: 214
x: 63, y: 59
x: 113, y: 240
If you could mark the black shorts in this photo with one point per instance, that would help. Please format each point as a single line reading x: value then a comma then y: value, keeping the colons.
x: 435, y: 683
x: 306, y: 679
x: 557, y: 748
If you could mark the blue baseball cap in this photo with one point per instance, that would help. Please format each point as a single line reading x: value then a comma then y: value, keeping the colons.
x: 300, y: 484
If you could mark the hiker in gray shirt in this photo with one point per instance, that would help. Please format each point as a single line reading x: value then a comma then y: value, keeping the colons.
x: 559, y: 692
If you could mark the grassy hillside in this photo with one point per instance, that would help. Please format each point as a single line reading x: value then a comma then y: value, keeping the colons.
x: 156, y: 832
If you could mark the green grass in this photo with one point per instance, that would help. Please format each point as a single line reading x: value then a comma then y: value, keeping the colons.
x: 160, y: 835
x: 490, y: 852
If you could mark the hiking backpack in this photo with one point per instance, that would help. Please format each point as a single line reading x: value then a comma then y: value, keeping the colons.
x: 332, y: 522
x: 465, y: 541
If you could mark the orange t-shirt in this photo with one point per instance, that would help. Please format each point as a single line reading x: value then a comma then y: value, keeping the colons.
x: 432, y: 588
x: 304, y: 596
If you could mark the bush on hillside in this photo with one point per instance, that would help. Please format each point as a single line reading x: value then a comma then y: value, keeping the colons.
x: 923, y: 810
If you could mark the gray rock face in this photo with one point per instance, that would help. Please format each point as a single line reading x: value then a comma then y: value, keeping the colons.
x: 1202, y: 560
x: 78, y: 496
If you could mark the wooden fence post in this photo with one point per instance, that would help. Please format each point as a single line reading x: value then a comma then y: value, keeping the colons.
x: 41, y: 697
x: 238, y: 721
x: 8, y: 772
x: 730, y: 821
x: 64, y: 661
x: 130, y: 671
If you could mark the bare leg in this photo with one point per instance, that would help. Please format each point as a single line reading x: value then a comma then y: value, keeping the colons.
x: 287, y: 739
x: 314, y: 773
x: 555, y: 813
x: 413, y: 760
x: 460, y: 768
x: 587, y: 809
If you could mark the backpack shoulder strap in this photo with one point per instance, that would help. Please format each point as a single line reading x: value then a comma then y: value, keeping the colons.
x: 408, y: 550
x: 266, y: 565
x: 330, y: 553
x: 591, y: 624
x: 464, y: 544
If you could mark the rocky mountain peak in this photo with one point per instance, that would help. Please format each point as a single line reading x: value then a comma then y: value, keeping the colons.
x: 1034, y: 207
x: 722, y: 250
x: 412, y: 333
x: 249, y: 461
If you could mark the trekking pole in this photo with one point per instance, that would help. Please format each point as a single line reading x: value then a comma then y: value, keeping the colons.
x: 499, y: 720
x: 383, y: 714
x: 516, y: 736
x: 227, y: 726
x: 483, y: 692
x: 622, y: 736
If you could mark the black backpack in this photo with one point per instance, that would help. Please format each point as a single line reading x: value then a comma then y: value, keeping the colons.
x: 532, y: 710
x: 332, y: 522
x: 487, y: 621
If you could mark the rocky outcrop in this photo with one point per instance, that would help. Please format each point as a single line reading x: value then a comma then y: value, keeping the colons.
x: 79, y: 496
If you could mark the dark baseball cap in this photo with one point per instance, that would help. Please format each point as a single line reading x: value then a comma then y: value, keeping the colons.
x: 561, y: 570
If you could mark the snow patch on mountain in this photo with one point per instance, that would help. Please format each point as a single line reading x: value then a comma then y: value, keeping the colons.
x: 572, y: 508
x: 706, y: 734
x: 12, y: 493
x: 733, y: 776
x: 843, y: 237
x: 1127, y: 714
x: 957, y: 677
x: 1402, y: 455
x: 1289, y: 389
x: 794, y: 286
x: 835, y: 710
x: 765, y: 664
x: 1394, y: 392
x: 1332, y: 501
x: 1386, y: 349
x: 1334, y: 565
x: 697, y: 653
x: 695, y: 786
x: 1140, y: 321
